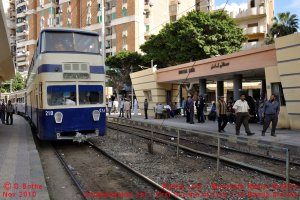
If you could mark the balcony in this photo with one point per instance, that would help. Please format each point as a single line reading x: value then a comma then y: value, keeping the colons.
x: 254, y: 30
x: 249, y: 13
x: 251, y: 45
x: 24, y: 63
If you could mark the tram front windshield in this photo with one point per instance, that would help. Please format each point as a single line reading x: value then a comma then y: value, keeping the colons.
x: 70, y: 42
x: 59, y: 95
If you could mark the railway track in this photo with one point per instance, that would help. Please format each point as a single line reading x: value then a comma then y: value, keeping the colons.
x: 164, y: 138
x: 86, y: 192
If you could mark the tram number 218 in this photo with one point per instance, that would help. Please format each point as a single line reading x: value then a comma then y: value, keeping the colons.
x: 49, y: 112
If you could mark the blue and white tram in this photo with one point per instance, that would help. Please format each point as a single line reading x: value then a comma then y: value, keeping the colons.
x: 17, y: 99
x: 66, y: 85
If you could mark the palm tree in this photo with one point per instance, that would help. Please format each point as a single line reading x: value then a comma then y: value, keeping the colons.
x: 285, y: 24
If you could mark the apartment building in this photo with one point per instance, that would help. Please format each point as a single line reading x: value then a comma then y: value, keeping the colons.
x: 128, y: 23
x: 256, y: 20
x: 9, y: 16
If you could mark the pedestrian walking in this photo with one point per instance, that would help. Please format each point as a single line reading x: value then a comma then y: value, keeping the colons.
x: 121, y: 107
x: 241, y: 108
x: 270, y: 113
x: 190, y: 108
x: 9, y: 113
x: 2, y: 112
x: 127, y: 108
x: 109, y: 106
x: 222, y: 114
x: 146, y: 104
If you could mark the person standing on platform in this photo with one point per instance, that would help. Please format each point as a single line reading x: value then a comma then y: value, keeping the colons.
x: 9, y: 113
x: 183, y: 106
x: 109, y: 105
x: 197, y: 104
x: 187, y: 110
x: 222, y: 114
x: 121, y: 104
x: 202, y: 105
x: 190, y: 108
x: 2, y: 112
x: 270, y: 113
x: 127, y: 108
x: 146, y: 104
x: 135, y: 107
x: 241, y: 108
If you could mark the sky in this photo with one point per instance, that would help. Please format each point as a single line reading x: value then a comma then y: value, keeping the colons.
x: 293, y: 6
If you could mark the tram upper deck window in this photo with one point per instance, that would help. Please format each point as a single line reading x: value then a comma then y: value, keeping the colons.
x: 86, y: 43
x: 70, y: 42
x: 61, y: 95
x: 90, y: 94
x: 59, y: 42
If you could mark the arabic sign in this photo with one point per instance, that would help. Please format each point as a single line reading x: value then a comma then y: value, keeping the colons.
x: 76, y: 76
x: 184, y: 71
x: 219, y: 65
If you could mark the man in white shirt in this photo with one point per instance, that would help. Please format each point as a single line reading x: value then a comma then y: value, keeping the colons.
x: 241, y: 108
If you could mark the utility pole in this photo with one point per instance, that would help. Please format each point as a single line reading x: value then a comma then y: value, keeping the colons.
x: 131, y: 70
x: 102, y: 33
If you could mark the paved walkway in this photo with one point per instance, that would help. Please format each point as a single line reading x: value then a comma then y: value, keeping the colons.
x: 21, y: 173
x: 284, y: 136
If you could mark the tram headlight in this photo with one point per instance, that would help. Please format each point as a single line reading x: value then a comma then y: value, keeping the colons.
x: 58, y: 116
x: 96, y: 115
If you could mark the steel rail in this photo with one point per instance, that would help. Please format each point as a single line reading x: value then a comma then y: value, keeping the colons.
x: 227, y: 160
x: 159, y: 187
x: 64, y: 163
x: 214, y: 146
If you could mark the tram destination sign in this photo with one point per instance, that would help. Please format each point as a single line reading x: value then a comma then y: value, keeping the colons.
x: 76, y: 75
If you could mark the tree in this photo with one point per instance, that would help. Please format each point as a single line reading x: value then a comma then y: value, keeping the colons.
x: 120, y: 68
x: 196, y: 36
x: 18, y: 83
x: 284, y: 24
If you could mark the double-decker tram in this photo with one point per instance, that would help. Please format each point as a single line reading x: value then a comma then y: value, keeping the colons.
x: 66, y: 84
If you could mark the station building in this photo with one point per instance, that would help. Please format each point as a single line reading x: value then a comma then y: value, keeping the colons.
x: 264, y: 70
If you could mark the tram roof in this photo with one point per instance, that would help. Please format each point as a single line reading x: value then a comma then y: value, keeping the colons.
x: 70, y: 30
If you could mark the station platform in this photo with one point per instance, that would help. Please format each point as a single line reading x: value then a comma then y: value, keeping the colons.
x: 284, y: 138
x: 21, y: 172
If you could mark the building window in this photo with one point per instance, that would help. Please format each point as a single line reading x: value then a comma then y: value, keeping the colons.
x: 173, y: 18
x: 113, y: 15
x: 89, y: 21
x: 252, y: 3
x: 42, y: 22
x: 99, y: 19
x: 99, y: 7
x: 276, y: 88
x: 113, y: 29
x: 113, y: 42
x: 253, y: 40
x: 124, y: 11
x: 124, y: 40
x: 125, y: 27
x: 148, y: 95
x: 173, y: 8
x: 124, y: 1
x: 253, y: 25
x: 43, y: 13
x: 147, y: 28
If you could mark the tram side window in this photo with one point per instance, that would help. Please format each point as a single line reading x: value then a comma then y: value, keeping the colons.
x: 61, y: 95
x: 90, y: 94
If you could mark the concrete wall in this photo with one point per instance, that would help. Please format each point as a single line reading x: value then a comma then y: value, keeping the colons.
x: 144, y: 81
x: 288, y: 59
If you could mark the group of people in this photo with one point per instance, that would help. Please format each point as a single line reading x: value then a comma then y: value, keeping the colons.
x: 123, y: 106
x: 237, y: 113
x: 6, y: 113
x: 169, y: 110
